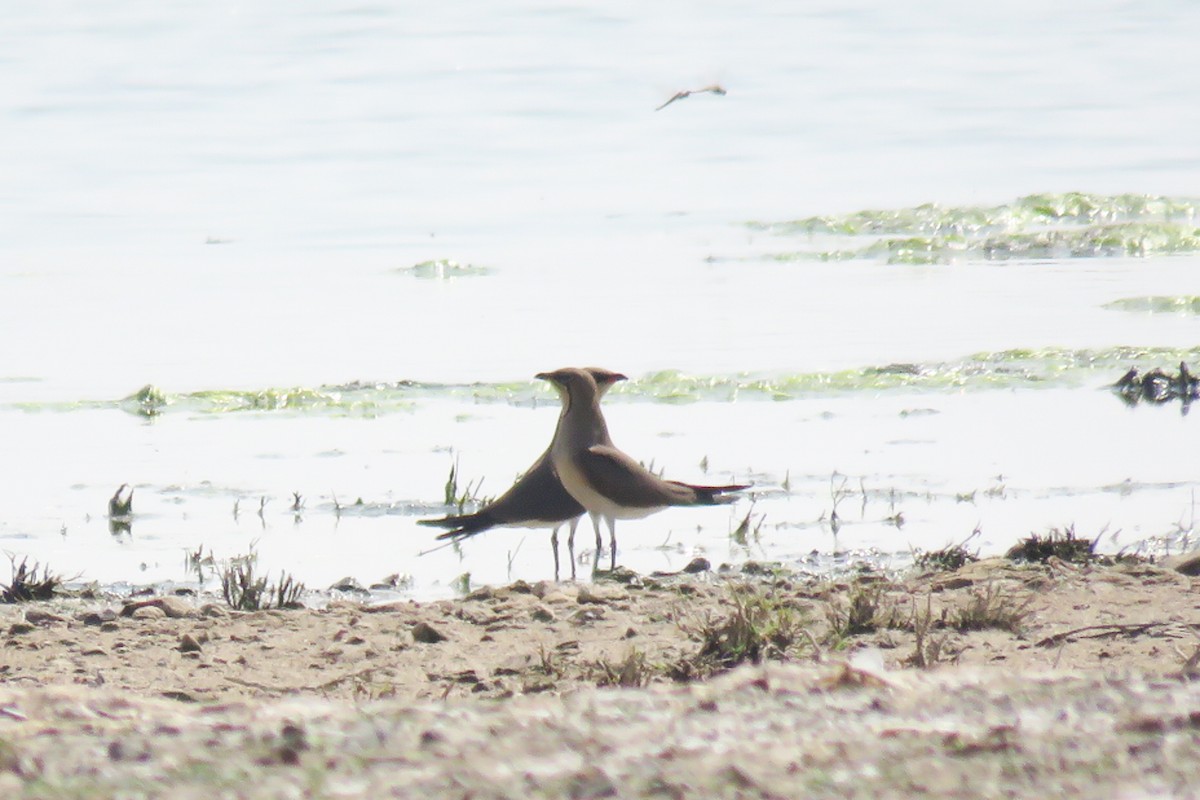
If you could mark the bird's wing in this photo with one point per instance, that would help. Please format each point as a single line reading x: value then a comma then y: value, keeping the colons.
x: 676, y: 96
x: 464, y: 524
x: 626, y: 482
x: 538, y: 496
x: 713, y: 495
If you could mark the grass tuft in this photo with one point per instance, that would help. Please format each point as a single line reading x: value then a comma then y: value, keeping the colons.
x: 928, y: 648
x: 245, y: 591
x: 630, y: 672
x: 459, y: 499
x: 27, y: 584
x: 865, y: 609
x: 1063, y: 544
x: 950, y: 557
x: 990, y: 608
x: 759, y: 627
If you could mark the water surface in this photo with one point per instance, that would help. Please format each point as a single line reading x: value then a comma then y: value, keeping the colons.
x: 231, y: 204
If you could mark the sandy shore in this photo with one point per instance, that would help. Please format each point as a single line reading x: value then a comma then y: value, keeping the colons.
x: 1078, y: 684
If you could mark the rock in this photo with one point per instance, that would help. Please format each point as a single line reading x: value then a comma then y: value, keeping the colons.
x: 188, y: 644
x: 149, y: 612
x: 213, y: 610
x: 18, y: 628
x: 591, y: 782
x: 39, y: 617
x: 542, y: 614
x: 482, y: 593
x: 952, y: 583
x: 97, y: 617
x: 1189, y: 565
x: 619, y: 575
x: 426, y: 633
x: 182, y: 697
x: 172, y: 607
x: 586, y: 615
x: 591, y: 594
x: 698, y: 564
x: 348, y: 584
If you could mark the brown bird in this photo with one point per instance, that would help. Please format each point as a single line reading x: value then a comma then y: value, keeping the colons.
x: 536, y: 500
x: 604, y: 480
x: 714, y: 89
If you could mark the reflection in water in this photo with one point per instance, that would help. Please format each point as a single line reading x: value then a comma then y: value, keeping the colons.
x: 120, y: 511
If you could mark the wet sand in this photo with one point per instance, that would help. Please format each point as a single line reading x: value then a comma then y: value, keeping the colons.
x: 517, y: 691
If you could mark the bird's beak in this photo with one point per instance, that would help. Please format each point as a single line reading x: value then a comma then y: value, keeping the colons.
x: 619, y: 377
x: 544, y: 376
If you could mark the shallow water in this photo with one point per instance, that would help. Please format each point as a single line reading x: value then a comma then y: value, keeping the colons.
x: 229, y: 203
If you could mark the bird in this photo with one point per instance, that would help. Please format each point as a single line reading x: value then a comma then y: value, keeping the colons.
x: 607, y: 482
x: 714, y: 89
x: 536, y: 500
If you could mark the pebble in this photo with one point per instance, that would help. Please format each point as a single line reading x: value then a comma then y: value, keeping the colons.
x: 149, y: 612
x: 482, y: 593
x: 170, y: 606
x: 542, y: 614
x: 97, y: 617
x: 348, y: 584
x: 424, y: 632
x: 599, y: 594
x: 1189, y: 566
x: 589, y: 595
x: 188, y: 644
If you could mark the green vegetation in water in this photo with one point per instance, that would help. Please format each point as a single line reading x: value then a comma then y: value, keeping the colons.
x: 443, y: 269
x: 1157, y: 305
x: 999, y: 370
x: 1040, y: 226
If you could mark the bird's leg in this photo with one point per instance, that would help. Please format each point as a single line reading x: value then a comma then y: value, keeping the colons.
x: 599, y: 538
x: 554, y: 547
x: 612, y: 538
x: 571, y: 548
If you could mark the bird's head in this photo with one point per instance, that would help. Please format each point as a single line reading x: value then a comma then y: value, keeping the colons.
x: 573, y: 385
x: 605, y: 378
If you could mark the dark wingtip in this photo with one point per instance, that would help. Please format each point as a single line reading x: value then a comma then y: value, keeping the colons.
x: 464, y: 524
x: 719, y: 495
